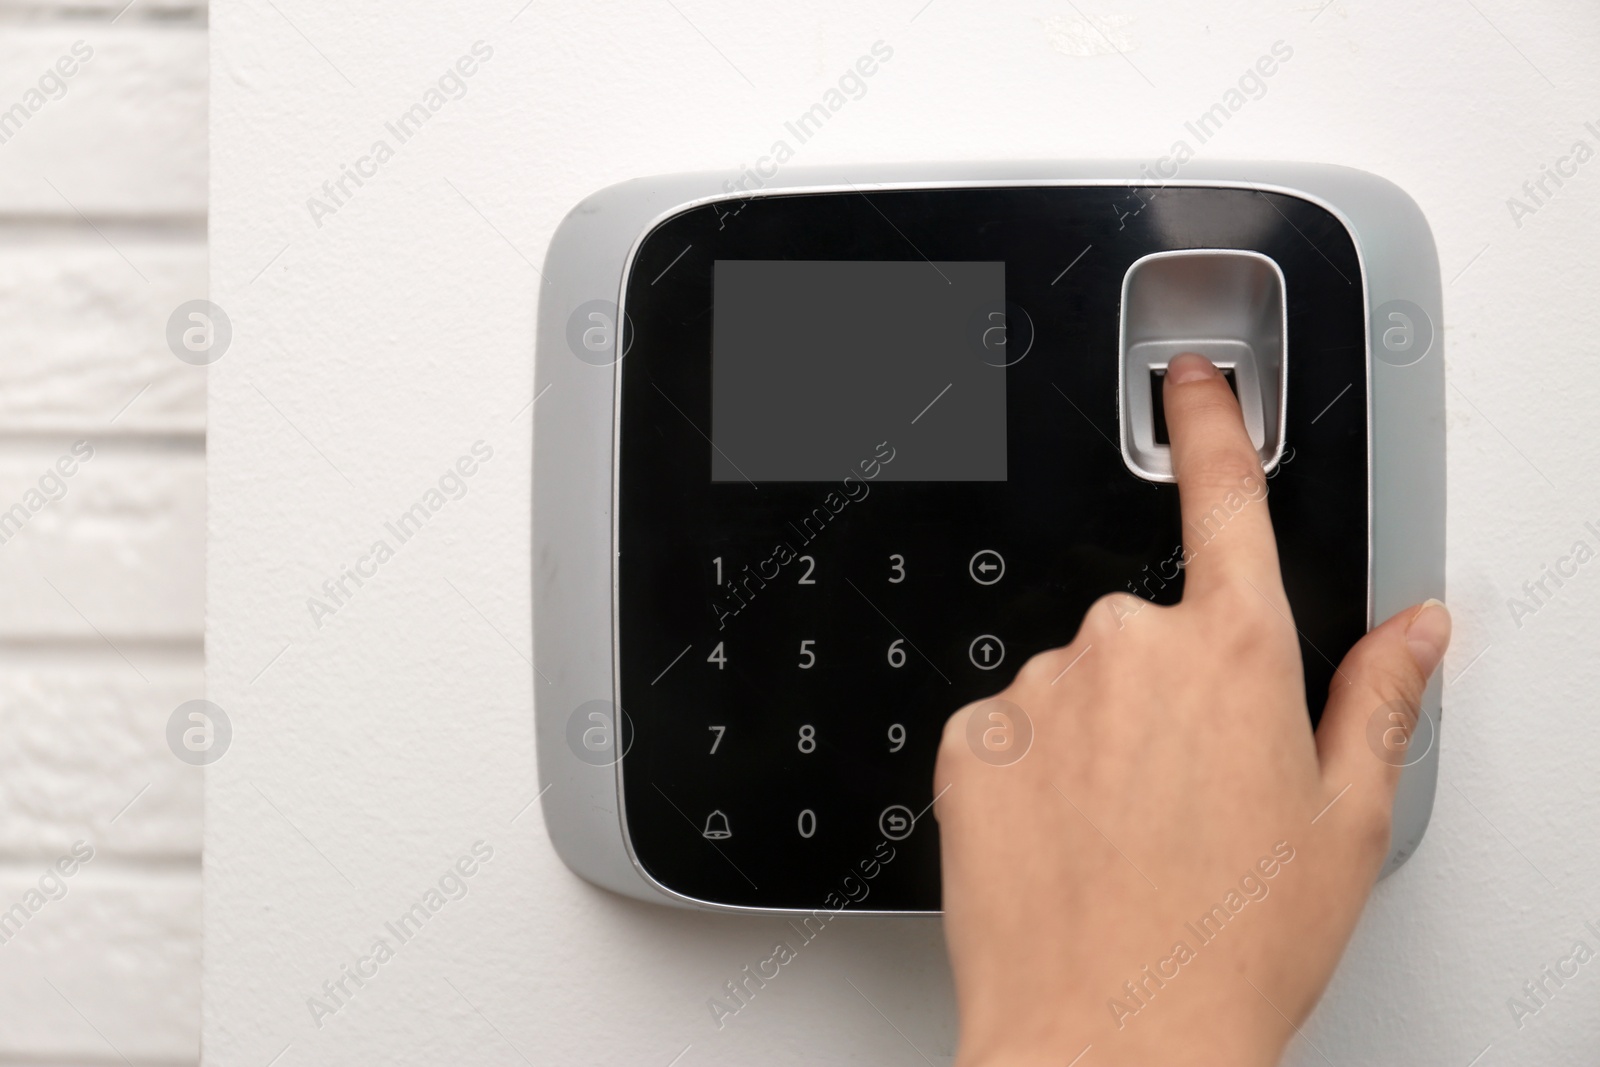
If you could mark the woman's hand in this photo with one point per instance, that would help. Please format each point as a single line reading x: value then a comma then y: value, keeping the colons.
x: 1171, y: 871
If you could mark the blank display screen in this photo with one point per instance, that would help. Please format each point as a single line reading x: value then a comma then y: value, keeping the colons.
x: 817, y: 362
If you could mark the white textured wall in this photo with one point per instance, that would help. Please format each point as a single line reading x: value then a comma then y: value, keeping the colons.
x: 102, y: 235
x: 373, y: 349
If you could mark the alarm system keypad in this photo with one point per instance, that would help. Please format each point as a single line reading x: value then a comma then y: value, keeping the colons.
x: 794, y: 630
x: 810, y: 718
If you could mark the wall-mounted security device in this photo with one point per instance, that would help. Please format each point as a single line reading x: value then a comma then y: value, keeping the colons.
x: 820, y: 461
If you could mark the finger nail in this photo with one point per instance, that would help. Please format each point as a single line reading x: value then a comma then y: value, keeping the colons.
x: 1428, y: 635
x: 1189, y: 367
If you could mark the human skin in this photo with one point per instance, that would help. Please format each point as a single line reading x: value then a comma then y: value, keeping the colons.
x: 1171, y: 755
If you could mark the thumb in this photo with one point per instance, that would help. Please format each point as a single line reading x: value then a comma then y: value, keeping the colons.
x: 1375, y: 700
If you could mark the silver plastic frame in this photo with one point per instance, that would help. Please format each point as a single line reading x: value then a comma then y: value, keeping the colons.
x: 576, y: 450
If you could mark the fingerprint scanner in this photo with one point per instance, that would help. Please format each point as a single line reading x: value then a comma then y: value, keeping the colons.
x: 1158, y: 407
x: 1229, y: 306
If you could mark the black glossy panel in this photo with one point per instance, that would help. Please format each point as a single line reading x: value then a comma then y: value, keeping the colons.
x: 822, y: 562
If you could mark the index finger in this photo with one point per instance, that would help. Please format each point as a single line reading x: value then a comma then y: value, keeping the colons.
x: 1222, y: 492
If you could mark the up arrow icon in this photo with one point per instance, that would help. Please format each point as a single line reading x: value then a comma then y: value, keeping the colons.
x: 986, y: 652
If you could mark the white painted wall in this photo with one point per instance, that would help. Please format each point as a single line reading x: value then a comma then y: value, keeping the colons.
x: 102, y: 235
x: 371, y: 350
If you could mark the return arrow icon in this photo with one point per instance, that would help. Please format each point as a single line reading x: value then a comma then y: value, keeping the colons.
x: 986, y: 566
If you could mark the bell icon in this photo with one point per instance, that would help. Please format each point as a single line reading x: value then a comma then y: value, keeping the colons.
x: 716, y: 827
